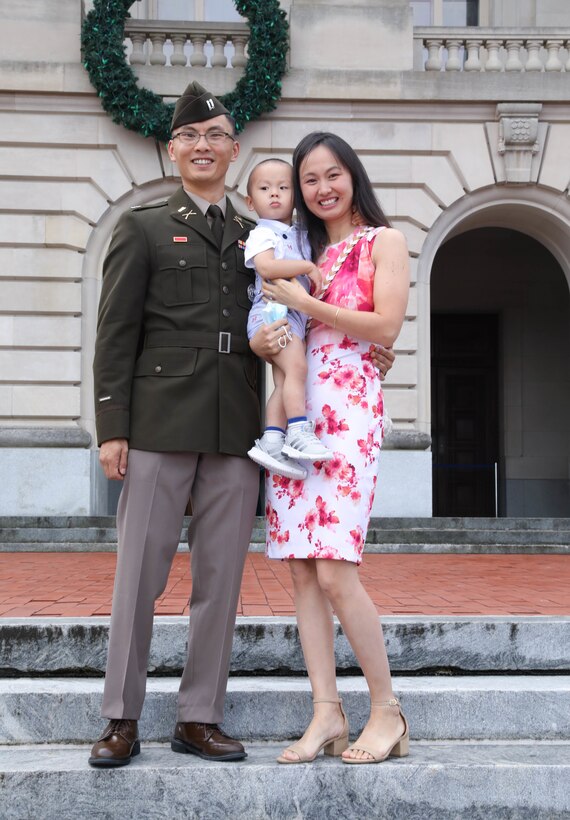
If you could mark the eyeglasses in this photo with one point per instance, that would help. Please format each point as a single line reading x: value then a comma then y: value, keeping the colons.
x: 214, y: 137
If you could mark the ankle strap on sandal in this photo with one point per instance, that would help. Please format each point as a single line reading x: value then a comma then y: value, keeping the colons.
x: 323, y: 700
x: 385, y: 703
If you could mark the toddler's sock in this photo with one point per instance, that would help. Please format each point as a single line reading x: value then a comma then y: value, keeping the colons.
x: 273, y: 434
x: 296, y: 421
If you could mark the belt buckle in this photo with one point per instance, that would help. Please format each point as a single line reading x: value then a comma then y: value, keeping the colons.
x: 224, y: 342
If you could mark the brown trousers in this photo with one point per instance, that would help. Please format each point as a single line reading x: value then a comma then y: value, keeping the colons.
x: 149, y: 520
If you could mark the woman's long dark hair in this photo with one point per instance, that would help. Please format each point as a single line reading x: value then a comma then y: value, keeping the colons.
x: 363, y: 199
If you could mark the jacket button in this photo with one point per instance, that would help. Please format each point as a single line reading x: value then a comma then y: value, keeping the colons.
x: 158, y: 369
x: 226, y: 313
x: 224, y: 265
x: 182, y: 263
x: 225, y: 290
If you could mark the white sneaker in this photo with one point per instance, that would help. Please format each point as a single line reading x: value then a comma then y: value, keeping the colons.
x: 269, y: 454
x: 301, y: 442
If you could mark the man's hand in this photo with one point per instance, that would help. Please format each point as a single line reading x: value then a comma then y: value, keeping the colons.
x: 316, y: 278
x: 383, y: 358
x: 265, y: 343
x: 113, y: 457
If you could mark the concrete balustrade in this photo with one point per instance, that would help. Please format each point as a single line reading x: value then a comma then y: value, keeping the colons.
x: 492, y: 50
x: 194, y: 44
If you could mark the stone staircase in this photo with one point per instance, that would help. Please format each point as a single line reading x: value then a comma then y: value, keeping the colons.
x: 487, y: 698
x: 431, y: 535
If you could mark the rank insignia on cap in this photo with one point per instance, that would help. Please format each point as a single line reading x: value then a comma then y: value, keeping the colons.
x: 180, y: 239
x: 195, y: 105
x: 241, y: 244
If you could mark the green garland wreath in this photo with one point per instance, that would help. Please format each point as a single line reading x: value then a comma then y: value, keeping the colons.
x: 143, y: 111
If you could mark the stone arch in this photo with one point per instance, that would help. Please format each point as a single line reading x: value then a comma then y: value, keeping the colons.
x: 91, y: 281
x: 90, y: 290
x: 539, y: 212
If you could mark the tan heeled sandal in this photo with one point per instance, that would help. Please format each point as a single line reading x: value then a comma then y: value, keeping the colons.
x: 335, y: 746
x: 401, y: 748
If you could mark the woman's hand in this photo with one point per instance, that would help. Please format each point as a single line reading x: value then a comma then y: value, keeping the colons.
x: 265, y: 343
x: 383, y: 358
x: 287, y: 292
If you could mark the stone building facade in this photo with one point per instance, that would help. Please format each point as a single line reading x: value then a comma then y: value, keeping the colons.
x: 465, y: 132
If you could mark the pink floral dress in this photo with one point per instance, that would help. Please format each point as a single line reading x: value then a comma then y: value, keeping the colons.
x: 326, y: 516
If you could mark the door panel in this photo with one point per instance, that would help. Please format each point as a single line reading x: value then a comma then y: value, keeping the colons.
x: 464, y: 414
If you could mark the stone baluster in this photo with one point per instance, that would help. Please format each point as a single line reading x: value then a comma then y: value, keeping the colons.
x: 473, y: 61
x: 453, y: 61
x: 533, y: 62
x: 239, y: 59
x: 178, y: 41
x: 157, y: 55
x: 553, y: 63
x: 219, y: 59
x: 493, y: 62
x: 567, y: 47
x: 433, y: 62
x: 138, y: 57
x: 198, y: 58
x: 514, y: 55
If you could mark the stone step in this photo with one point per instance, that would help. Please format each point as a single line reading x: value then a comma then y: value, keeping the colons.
x: 438, y: 781
x: 506, y: 707
x: 465, y: 535
x: 416, y: 644
x: 76, y: 533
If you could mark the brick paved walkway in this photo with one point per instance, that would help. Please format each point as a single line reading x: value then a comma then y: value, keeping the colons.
x: 81, y: 584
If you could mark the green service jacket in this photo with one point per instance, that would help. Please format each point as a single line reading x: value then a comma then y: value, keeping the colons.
x: 172, y: 305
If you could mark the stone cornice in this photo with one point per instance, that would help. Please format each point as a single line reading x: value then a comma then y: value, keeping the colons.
x: 316, y: 84
x: 44, y: 437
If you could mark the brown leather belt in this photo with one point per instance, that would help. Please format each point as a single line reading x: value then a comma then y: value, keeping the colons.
x: 222, y: 342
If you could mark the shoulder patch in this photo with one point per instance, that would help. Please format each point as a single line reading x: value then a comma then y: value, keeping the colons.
x: 151, y: 205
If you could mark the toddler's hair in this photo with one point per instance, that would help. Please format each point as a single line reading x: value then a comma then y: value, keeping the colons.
x: 264, y: 162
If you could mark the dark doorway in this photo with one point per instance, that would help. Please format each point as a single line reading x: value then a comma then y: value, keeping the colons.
x: 464, y: 413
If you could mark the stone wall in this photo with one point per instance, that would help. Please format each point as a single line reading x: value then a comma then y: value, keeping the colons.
x: 431, y: 144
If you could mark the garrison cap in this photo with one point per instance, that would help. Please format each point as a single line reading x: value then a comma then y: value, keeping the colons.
x: 196, y: 105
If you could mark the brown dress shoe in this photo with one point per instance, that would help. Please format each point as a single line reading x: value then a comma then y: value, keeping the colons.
x: 117, y: 745
x: 207, y: 741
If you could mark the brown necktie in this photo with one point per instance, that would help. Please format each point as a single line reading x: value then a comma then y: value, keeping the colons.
x: 217, y: 226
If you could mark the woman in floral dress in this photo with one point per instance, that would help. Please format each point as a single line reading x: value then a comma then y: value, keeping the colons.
x: 319, y: 525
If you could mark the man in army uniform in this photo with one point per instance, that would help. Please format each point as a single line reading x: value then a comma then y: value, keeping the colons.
x: 175, y: 393
x: 176, y: 401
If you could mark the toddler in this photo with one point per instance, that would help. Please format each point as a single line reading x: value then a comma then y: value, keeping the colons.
x: 278, y: 250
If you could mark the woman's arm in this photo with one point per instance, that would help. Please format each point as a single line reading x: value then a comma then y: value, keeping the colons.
x: 391, y: 286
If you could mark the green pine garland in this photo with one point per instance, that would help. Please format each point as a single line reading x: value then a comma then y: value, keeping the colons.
x: 143, y: 111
